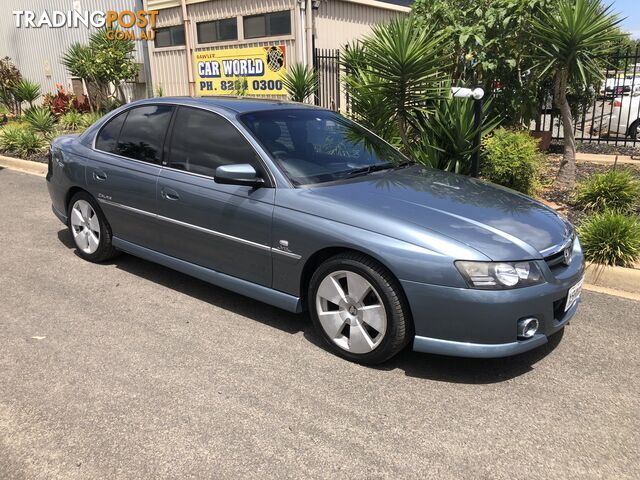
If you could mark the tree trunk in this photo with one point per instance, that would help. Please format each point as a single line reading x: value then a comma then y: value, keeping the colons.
x: 85, y: 89
x: 567, y: 173
x: 402, y: 127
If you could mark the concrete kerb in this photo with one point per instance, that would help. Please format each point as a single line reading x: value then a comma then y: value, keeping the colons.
x: 24, y: 166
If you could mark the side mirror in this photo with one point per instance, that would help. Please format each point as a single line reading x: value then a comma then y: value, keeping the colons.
x: 238, y: 174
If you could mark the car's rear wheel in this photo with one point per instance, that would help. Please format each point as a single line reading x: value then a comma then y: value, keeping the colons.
x: 359, y: 309
x: 89, y: 228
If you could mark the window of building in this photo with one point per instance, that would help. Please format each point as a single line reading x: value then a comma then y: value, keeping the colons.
x: 202, y: 141
x: 169, y: 36
x: 143, y: 132
x: 267, y: 24
x: 218, y: 30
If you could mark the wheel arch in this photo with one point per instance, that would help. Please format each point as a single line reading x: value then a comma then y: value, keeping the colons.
x: 318, y: 257
x: 70, y: 193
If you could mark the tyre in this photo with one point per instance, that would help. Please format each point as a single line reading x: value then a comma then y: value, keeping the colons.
x: 359, y: 309
x: 634, y: 130
x: 89, y: 229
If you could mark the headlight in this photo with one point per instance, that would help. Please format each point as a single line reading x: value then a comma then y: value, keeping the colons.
x: 499, y: 275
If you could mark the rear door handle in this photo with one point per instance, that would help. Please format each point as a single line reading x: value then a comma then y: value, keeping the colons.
x: 169, y: 194
x: 99, y: 176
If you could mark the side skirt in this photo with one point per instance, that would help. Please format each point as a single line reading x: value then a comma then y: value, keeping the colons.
x: 237, y: 285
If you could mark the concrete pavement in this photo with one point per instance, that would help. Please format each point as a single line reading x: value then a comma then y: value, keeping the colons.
x: 130, y: 370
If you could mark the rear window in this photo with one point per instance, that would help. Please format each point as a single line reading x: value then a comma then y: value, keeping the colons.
x: 108, y: 137
x: 143, y: 132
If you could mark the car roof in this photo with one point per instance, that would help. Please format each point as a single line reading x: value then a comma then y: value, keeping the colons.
x: 232, y: 104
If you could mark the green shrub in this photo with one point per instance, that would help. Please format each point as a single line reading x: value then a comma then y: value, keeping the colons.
x: 9, y: 138
x: 26, y: 91
x: 616, y: 189
x: 89, y: 119
x: 71, y: 120
x: 300, y: 82
x: 611, y: 238
x: 40, y: 120
x: 29, y: 143
x: 512, y: 159
x: 447, y: 135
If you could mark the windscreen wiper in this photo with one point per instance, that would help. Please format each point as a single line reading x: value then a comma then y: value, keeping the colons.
x: 370, y: 168
x: 403, y: 164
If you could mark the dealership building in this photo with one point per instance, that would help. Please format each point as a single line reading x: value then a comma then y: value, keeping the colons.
x: 197, y: 39
x: 305, y: 28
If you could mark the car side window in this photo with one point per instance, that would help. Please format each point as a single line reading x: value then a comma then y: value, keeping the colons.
x: 107, y: 138
x: 142, y: 135
x: 202, y: 141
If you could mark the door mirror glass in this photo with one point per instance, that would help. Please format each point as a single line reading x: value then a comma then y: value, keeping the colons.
x: 238, y: 174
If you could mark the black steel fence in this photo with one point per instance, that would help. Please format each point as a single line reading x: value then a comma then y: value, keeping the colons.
x: 608, y: 112
x: 326, y: 62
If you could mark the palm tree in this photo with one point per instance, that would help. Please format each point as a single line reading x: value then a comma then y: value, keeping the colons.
x: 403, y: 66
x: 300, y: 82
x: 570, y: 40
x: 26, y: 91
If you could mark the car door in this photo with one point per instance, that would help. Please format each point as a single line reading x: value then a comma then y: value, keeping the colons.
x: 125, y: 169
x: 223, y: 227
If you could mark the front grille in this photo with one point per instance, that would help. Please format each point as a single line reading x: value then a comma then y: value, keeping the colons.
x: 555, y: 259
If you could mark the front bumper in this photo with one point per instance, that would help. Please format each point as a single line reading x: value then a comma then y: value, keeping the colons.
x: 466, y: 322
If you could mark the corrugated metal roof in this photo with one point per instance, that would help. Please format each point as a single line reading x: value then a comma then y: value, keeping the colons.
x: 391, y: 4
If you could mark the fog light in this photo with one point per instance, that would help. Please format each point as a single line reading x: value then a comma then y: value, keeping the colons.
x: 527, y: 327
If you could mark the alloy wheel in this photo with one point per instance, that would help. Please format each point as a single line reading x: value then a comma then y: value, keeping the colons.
x: 351, y: 312
x: 85, y: 227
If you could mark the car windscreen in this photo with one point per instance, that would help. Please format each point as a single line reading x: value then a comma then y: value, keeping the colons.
x: 315, y: 146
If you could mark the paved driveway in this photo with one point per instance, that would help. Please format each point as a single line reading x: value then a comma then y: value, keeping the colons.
x: 131, y: 370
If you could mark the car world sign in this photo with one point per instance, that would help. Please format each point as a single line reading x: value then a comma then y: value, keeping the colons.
x: 234, y: 71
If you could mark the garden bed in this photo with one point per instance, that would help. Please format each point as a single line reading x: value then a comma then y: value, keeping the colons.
x: 40, y: 157
x: 562, y: 197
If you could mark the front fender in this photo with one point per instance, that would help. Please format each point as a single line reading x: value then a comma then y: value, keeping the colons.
x: 297, y: 236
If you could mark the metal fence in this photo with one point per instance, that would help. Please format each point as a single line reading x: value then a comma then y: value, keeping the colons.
x: 326, y: 62
x: 610, y: 112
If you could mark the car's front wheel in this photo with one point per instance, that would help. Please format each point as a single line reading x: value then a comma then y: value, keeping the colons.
x: 359, y: 309
x: 89, y: 228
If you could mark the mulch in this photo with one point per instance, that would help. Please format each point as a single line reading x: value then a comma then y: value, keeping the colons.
x: 560, y: 198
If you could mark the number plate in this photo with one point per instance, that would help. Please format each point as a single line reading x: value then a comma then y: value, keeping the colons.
x: 574, y: 294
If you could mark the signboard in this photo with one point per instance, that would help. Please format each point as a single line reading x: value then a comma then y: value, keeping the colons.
x: 253, y: 71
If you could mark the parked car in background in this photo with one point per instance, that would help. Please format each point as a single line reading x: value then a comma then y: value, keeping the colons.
x: 618, y: 116
x: 621, y: 85
x: 298, y: 207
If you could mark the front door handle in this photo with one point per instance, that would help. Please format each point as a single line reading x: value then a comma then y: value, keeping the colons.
x: 99, y: 176
x: 169, y: 194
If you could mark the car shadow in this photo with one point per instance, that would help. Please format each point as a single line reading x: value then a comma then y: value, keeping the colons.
x: 469, y: 370
x: 421, y: 365
x: 203, y: 291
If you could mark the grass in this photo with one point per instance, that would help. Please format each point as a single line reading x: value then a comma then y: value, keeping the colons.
x: 616, y: 189
x: 611, y: 238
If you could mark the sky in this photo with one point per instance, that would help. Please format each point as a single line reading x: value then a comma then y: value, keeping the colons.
x: 631, y: 10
